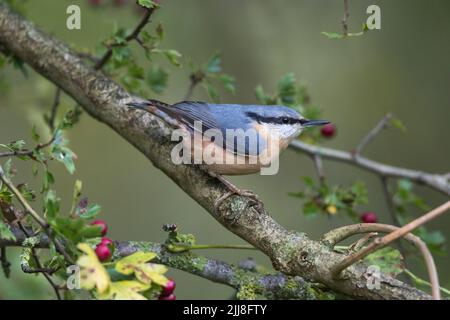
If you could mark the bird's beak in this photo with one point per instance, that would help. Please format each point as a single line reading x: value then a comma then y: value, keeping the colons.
x: 138, y: 104
x: 312, y: 123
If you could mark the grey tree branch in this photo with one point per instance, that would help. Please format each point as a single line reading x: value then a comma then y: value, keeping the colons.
x: 373, y: 133
x: 438, y: 182
x: 272, y: 286
x: 291, y: 252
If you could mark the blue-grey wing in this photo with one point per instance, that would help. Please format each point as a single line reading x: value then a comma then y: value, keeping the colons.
x: 236, y: 133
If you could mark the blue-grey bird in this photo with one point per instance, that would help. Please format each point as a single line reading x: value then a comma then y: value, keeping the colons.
x: 265, y: 121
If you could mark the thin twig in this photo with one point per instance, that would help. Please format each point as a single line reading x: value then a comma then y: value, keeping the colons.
x: 4, y: 261
x: 41, y: 221
x: 345, y: 19
x: 49, y: 271
x: 318, y: 164
x: 195, y: 79
x: 384, y: 241
x: 360, y: 243
x: 337, y: 235
x: 132, y: 36
x: 39, y: 265
x: 54, y: 110
x: 382, y: 124
x: 420, y: 281
x: 389, y: 201
x: 22, y: 200
x: 26, y: 152
x: 436, y: 181
x: 181, y: 247
x: 392, y: 212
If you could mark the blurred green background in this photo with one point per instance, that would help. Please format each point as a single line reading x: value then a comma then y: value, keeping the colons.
x: 403, y: 68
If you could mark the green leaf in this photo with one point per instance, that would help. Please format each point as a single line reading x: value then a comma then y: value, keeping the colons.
x: 212, y: 92
x: 64, y: 155
x: 388, y: 259
x: 397, y: 123
x: 261, y: 95
x: 19, y: 64
x: 5, y: 232
x: 72, y: 228
x: 121, y: 56
x: 173, y: 56
x: 6, y: 195
x: 14, y: 146
x: 91, y: 211
x: 48, y: 180
x: 7, y: 168
x: 90, y: 231
x: 311, y: 209
x: 333, y: 35
x: 136, y: 71
x: 160, y: 31
x: 34, y: 134
x: 435, y: 240
x: 157, y: 78
x: 71, y: 117
x: 286, y: 89
x: 147, y: 3
x: 51, y: 205
x: 308, y: 181
x: 27, y: 192
x: 214, y: 64
x: 76, y: 195
x: 228, y: 83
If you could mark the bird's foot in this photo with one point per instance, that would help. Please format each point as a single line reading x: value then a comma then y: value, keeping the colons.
x: 233, y: 190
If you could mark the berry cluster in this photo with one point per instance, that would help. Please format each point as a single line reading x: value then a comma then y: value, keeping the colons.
x: 167, y: 292
x: 105, y: 248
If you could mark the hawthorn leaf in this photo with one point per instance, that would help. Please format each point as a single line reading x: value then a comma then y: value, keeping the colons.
x: 93, y: 274
x: 125, y: 290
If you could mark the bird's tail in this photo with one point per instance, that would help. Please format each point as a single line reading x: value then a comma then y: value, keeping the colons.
x: 155, y: 107
x: 145, y: 104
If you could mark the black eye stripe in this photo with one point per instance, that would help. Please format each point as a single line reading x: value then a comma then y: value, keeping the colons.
x: 274, y: 120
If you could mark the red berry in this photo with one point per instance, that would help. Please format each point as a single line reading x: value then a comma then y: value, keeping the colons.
x: 170, y: 297
x: 106, y: 241
x: 95, y: 3
x: 102, y: 224
x: 328, y: 130
x: 369, y: 217
x: 103, y: 252
x: 169, y: 288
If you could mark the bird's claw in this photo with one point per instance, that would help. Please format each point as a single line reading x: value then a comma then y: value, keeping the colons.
x: 244, y: 193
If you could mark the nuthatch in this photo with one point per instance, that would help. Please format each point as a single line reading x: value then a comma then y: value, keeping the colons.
x: 266, y: 121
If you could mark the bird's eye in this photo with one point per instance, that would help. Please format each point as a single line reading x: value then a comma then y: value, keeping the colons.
x: 285, y: 120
